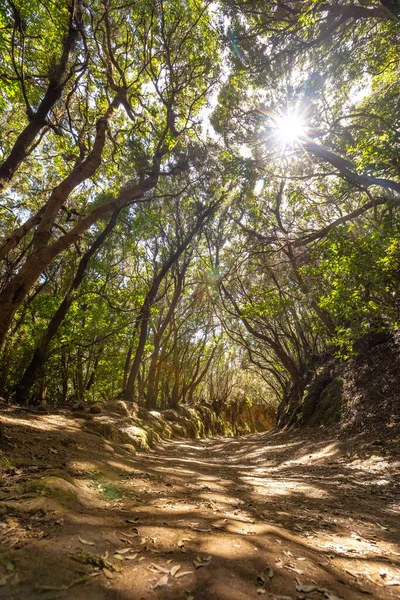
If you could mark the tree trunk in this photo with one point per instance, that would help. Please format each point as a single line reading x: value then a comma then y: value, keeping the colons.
x: 143, y: 317
x: 20, y: 285
x: 22, y: 390
x: 38, y: 120
x: 174, y: 398
x: 151, y: 393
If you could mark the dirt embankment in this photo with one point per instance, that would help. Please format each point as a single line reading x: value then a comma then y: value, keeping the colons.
x: 139, y: 429
x: 359, y: 394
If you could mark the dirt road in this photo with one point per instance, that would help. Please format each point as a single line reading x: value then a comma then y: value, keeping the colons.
x: 286, y: 516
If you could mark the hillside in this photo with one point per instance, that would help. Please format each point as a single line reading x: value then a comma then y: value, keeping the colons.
x: 360, y: 395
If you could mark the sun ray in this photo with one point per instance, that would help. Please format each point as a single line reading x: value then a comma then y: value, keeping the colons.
x: 287, y: 128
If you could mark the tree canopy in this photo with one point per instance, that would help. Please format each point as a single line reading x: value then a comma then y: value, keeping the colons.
x: 199, y: 200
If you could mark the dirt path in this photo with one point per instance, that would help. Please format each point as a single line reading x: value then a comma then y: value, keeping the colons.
x: 279, y: 516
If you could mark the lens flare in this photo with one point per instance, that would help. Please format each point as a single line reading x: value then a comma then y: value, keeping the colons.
x: 290, y: 128
x: 287, y: 129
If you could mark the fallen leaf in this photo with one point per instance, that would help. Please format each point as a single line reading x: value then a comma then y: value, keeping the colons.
x: 295, y: 570
x: 183, y: 573
x: 108, y: 573
x: 124, y: 540
x: 332, y: 596
x: 123, y: 551
x: 202, y: 563
x: 271, y: 573
x: 159, y: 568
x: 86, y: 541
x: 202, y: 530
x: 161, y: 582
x: 307, y: 589
x: 261, y: 591
x: 174, y: 570
x: 118, y: 557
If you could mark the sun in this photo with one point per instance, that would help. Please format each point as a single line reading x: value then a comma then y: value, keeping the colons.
x: 289, y: 128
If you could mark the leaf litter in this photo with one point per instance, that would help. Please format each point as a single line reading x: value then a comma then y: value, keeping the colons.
x: 86, y: 542
x: 202, y: 562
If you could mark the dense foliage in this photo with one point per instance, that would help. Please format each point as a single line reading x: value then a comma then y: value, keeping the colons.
x: 199, y: 200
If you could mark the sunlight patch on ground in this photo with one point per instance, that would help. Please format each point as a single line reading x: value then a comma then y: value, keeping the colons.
x: 120, y: 466
x: 354, y: 544
x: 85, y: 466
x: 224, y: 547
x: 284, y: 488
x: 374, y: 463
x: 326, y: 452
x: 43, y: 423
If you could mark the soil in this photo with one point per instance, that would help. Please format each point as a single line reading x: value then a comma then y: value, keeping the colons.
x: 298, y: 515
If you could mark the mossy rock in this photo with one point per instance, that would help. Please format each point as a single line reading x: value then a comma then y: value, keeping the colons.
x: 156, y: 421
x: 57, y: 487
x: 310, y: 405
x: 178, y: 430
x: 329, y: 408
x: 152, y: 436
x: 129, y: 448
x: 119, y: 407
x: 137, y: 436
x: 170, y: 415
x: 189, y: 426
x: 105, y: 429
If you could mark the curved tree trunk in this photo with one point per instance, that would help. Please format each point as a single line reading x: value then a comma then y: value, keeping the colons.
x: 142, y: 320
x: 38, y: 119
x: 22, y: 389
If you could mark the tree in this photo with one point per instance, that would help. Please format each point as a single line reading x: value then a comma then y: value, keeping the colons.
x: 160, y: 87
x: 251, y: 153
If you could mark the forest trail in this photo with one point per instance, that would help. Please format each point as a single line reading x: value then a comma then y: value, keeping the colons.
x: 281, y: 516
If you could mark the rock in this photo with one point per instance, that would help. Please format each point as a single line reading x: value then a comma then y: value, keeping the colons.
x: 170, y: 415
x: 118, y: 407
x: 67, y: 442
x: 129, y: 448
